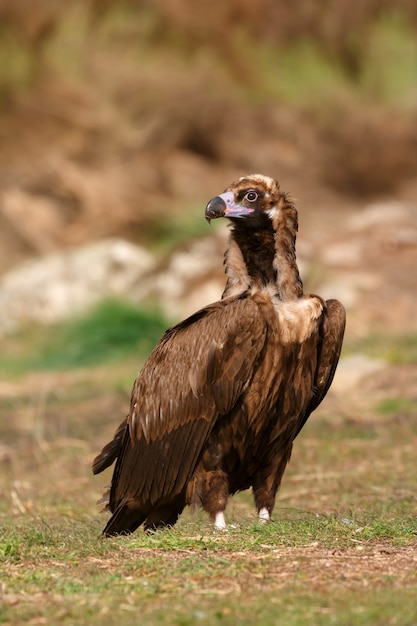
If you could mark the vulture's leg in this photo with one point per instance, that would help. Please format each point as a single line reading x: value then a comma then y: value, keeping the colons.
x: 216, y: 496
x: 266, y: 483
x: 213, y: 491
x: 209, y: 486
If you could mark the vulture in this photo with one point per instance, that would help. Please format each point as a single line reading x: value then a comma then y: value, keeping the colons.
x: 223, y: 395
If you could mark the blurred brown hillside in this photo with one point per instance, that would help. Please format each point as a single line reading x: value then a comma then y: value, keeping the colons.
x: 117, y: 118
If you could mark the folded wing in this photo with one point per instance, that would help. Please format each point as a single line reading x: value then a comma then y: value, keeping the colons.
x: 194, y: 376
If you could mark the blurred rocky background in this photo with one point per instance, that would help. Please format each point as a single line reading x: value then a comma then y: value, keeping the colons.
x: 120, y: 119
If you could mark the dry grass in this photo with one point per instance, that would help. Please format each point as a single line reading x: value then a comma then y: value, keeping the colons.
x: 342, y: 548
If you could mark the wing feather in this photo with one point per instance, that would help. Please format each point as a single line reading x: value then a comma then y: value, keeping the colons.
x: 195, y: 374
x: 111, y: 451
x: 332, y: 330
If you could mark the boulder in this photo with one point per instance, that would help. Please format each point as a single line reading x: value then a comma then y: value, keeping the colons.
x: 61, y: 285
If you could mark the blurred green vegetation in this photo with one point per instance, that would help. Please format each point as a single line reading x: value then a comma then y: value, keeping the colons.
x: 371, y: 46
x: 389, y: 73
x: 142, y: 79
x: 399, y: 406
x: 169, y: 233
x: 111, y: 331
x: 393, y: 348
x: 306, y: 75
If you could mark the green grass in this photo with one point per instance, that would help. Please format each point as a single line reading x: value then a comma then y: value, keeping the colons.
x: 110, y: 332
x: 300, y: 75
x: 305, y: 75
x: 251, y: 574
x: 390, y: 61
x: 399, y: 406
x: 36, y: 538
x: 182, y: 226
x: 17, y: 65
x: 395, y: 349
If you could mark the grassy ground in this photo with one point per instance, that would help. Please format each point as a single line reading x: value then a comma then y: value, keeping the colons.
x: 342, y: 548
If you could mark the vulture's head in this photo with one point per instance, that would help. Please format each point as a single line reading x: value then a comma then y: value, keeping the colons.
x: 251, y: 198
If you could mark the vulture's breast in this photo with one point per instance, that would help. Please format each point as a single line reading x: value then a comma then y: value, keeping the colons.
x: 298, y: 320
x: 283, y: 383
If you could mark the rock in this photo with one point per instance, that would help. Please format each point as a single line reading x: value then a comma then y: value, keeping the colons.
x: 191, y: 277
x: 349, y: 286
x: 380, y: 214
x: 342, y: 254
x: 61, y: 285
x: 353, y: 369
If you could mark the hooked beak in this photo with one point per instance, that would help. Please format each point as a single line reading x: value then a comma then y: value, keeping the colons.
x: 224, y: 206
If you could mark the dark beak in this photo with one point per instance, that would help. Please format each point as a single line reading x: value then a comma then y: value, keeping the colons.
x: 215, y: 208
x: 224, y: 205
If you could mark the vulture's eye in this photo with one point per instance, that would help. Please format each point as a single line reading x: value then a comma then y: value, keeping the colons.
x: 252, y: 196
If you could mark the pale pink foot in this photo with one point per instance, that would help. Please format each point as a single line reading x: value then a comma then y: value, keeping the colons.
x: 264, y: 515
x: 219, y: 521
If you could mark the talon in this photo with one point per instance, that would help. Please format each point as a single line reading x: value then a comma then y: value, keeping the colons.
x: 264, y: 515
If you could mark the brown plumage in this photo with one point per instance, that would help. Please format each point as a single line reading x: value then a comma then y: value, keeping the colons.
x: 223, y: 395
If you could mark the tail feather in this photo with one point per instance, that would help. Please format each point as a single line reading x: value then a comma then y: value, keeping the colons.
x: 127, y: 518
x: 111, y: 450
x: 124, y: 521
